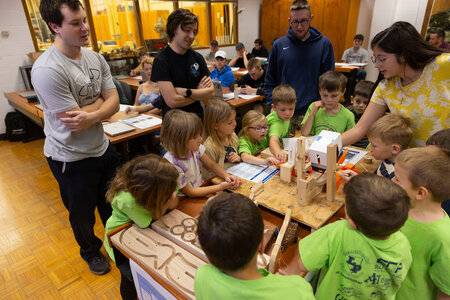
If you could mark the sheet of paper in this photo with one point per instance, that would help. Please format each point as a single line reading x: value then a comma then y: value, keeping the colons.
x: 253, y: 173
x: 245, y: 96
x: 138, y: 77
x: 234, y: 69
x: 353, y: 155
x: 123, y: 106
x: 142, y: 121
x: 243, y: 72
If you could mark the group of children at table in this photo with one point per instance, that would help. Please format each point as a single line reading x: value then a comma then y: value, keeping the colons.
x: 394, y: 243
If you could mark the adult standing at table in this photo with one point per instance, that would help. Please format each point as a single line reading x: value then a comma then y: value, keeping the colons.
x: 416, y: 84
x: 298, y: 59
x: 180, y: 72
x: 76, y: 90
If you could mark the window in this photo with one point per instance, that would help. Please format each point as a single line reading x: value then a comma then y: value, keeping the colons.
x: 118, y: 23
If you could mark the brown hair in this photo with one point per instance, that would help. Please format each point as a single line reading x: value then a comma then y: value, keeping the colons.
x: 283, y: 93
x: 378, y: 206
x: 51, y: 10
x: 182, y: 17
x: 364, y: 88
x: 392, y: 129
x: 177, y: 129
x: 150, y: 179
x: 440, y: 139
x: 217, y: 111
x: 301, y: 4
x: 254, y: 63
x: 251, y: 118
x: 230, y: 229
x: 428, y: 167
x: 332, y: 81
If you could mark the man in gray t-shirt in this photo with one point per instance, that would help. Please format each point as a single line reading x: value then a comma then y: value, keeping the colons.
x: 357, y: 54
x: 75, y: 88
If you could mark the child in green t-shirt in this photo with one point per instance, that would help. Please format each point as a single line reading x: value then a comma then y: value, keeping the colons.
x: 279, y: 119
x: 230, y: 231
x: 423, y: 173
x: 365, y: 256
x: 253, y: 139
x: 143, y: 189
x: 328, y: 113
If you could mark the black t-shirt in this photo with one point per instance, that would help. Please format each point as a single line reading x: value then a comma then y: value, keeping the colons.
x: 240, y: 61
x: 256, y: 84
x: 262, y: 52
x: 184, y: 71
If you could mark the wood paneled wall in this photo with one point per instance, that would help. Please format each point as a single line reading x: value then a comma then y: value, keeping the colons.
x: 336, y: 19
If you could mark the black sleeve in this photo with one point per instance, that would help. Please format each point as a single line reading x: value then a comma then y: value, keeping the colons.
x: 161, y: 68
x: 242, y: 81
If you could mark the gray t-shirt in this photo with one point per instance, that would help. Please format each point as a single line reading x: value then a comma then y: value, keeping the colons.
x: 352, y: 56
x: 62, y: 84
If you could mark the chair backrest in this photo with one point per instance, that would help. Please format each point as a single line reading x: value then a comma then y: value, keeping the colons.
x: 128, y: 93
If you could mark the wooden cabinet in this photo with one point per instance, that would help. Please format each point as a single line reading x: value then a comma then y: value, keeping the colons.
x: 336, y: 19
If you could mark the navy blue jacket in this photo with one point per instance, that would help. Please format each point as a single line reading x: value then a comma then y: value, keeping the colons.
x: 299, y: 64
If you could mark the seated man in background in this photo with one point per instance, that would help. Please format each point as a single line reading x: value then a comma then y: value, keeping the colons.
x: 242, y: 57
x: 253, y: 83
x: 222, y: 72
x: 260, y: 50
x: 437, y: 39
x: 213, y: 47
x: 357, y: 54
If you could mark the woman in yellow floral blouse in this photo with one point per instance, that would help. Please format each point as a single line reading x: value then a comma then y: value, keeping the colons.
x: 416, y: 84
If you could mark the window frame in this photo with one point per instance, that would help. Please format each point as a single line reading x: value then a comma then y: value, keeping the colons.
x: 93, y: 36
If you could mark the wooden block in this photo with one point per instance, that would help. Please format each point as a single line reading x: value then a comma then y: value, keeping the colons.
x: 331, y: 171
x: 277, y: 246
x: 308, y: 189
x: 301, y: 158
x: 286, y: 172
x: 266, y: 153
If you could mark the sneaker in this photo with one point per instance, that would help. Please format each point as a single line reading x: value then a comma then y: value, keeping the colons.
x: 98, y: 264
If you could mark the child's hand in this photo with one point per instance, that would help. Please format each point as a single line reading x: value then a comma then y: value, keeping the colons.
x: 271, y: 160
x: 233, y: 157
x: 347, y: 174
x: 225, y: 185
x: 282, y: 156
x: 235, y: 182
x: 317, y: 105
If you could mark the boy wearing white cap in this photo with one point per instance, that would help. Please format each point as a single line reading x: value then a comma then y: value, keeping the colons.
x: 222, y: 71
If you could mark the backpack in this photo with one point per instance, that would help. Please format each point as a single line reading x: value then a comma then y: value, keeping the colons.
x: 15, y: 127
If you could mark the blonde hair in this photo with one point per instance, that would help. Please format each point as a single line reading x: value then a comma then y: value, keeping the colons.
x: 177, y: 129
x: 392, y: 129
x: 284, y: 93
x: 147, y: 60
x: 150, y: 179
x: 216, y: 112
x: 251, y: 118
x: 428, y: 167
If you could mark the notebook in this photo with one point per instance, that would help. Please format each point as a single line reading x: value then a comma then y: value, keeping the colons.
x: 28, y: 94
x: 117, y: 128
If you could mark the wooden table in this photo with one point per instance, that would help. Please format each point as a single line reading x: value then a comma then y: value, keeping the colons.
x: 345, y: 68
x: 37, y: 116
x: 287, y: 260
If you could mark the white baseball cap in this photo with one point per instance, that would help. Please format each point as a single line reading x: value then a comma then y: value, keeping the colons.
x: 220, y: 53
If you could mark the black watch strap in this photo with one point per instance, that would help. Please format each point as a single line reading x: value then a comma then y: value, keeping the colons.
x: 188, y: 93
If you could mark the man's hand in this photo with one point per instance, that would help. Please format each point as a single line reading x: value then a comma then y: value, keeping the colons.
x: 206, y: 82
x: 248, y: 90
x: 78, y: 120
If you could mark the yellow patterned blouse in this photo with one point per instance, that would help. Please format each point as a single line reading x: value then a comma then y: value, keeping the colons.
x: 426, y: 101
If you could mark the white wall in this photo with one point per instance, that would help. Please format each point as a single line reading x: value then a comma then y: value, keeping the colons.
x: 387, y: 12
x: 248, y: 21
x: 13, y: 52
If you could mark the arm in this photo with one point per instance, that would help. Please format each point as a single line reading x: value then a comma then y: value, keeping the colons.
x: 78, y: 119
x: 174, y: 96
x: 233, y: 61
x: 373, y: 112
x: 274, y: 145
x: 250, y: 159
x: 307, y: 126
x: 245, y: 59
x: 219, y: 171
x: 202, y: 191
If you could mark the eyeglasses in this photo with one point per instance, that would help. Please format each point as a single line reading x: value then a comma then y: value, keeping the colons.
x: 379, y: 59
x: 304, y: 22
x: 260, y: 128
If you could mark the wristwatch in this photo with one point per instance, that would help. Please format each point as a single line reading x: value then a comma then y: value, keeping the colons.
x: 188, y: 93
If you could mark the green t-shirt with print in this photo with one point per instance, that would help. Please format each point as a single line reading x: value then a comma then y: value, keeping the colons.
x: 340, y: 122
x: 430, y: 269
x: 245, y: 145
x: 211, y: 283
x: 354, y: 266
x: 278, y: 126
x: 124, y: 210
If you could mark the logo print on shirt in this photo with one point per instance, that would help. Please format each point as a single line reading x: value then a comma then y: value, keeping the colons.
x: 194, y: 69
x: 353, y: 265
x: 285, y: 48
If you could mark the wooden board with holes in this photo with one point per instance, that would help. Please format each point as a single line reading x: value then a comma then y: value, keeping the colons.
x: 162, y: 257
x: 182, y: 230
x: 277, y: 196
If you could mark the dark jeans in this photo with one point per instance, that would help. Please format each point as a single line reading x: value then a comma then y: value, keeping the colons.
x: 127, y: 287
x: 83, y: 185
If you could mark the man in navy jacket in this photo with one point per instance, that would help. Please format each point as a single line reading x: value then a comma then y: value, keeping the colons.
x: 298, y: 59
